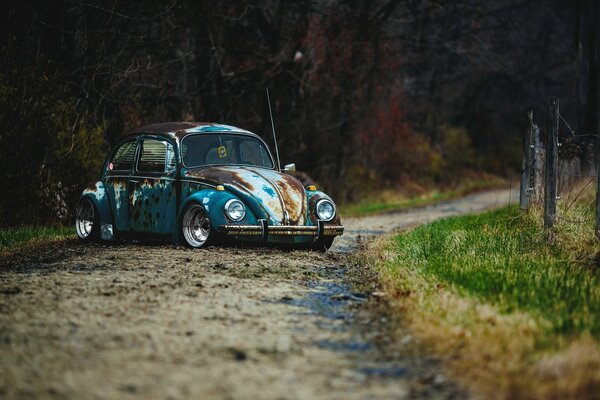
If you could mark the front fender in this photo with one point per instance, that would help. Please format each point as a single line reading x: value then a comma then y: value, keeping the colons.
x: 98, y: 195
x: 213, y: 202
x: 313, y: 196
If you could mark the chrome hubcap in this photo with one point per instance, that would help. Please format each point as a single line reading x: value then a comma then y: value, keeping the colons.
x: 84, y: 219
x: 196, y: 226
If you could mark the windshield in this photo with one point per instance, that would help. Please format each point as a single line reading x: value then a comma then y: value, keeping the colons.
x: 224, y: 149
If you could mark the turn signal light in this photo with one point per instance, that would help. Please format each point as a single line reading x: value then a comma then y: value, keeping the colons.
x: 312, y: 188
x: 220, y: 187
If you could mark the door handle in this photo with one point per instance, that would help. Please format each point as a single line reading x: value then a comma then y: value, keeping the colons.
x: 134, y: 181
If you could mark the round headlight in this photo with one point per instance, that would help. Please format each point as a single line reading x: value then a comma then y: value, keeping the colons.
x: 325, y: 210
x: 235, y: 210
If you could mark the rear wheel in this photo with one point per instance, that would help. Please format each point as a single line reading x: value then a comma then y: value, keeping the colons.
x: 87, y: 220
x: 195, y: 226
x: 322, y: 244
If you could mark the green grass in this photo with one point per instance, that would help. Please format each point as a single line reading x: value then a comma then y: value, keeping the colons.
x: 15, y: 237
x: 375, y: 206
x: 391, y: 200
x: 502, y: 258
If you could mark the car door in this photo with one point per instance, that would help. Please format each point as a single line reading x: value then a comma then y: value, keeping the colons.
x: 116, y: 180
x: 152, y: 194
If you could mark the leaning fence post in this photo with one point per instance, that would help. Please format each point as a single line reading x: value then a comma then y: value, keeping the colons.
x: 551, y: 164
x: 525, y: 171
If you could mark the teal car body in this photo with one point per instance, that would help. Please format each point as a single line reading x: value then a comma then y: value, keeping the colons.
x: 194, y: 182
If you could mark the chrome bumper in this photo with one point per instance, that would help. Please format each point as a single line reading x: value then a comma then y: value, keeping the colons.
x: 264, y: 230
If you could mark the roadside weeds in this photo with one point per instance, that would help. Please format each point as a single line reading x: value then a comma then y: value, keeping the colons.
x: 497, y: 353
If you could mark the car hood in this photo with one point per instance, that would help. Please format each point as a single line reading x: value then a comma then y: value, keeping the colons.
x: 281, y: 196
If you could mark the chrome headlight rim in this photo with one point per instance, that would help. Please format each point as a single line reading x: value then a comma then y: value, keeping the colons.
x: 228, y: 204
x: 319, y: 203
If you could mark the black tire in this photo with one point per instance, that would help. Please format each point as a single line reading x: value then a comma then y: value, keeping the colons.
x: 87, y: 221
x: 195, y: 230
x: 322, y: 244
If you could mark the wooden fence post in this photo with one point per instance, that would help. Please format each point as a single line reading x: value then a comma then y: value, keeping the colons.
x: 525, y: 169
x: 537, y: 164
x: 551, y: 164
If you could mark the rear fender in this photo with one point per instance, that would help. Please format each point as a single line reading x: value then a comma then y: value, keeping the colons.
x: 98, y: 195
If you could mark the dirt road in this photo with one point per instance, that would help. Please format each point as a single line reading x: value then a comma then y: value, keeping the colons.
x: 153, y: 321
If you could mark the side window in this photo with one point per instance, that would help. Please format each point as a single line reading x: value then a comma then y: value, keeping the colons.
x: 122, y: 160
x: 157, y: 156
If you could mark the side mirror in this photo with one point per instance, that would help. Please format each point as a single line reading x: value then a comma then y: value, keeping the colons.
x: 289, y: 168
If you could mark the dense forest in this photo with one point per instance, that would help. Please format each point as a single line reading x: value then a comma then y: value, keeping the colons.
x: 366, y: 93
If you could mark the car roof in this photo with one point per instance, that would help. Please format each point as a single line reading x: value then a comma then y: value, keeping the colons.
x: 178, y: 130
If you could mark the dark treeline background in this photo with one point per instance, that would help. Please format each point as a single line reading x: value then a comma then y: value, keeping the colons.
x: 367, y: 94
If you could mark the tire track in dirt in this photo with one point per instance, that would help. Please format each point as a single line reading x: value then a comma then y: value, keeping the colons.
x: 154, y: 321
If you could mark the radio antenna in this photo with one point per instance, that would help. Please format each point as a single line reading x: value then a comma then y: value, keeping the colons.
x: 273, y: 127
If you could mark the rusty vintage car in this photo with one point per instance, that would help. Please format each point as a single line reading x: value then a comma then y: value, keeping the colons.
x: 193, y: 183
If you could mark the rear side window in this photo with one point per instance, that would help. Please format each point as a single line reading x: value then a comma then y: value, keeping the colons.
x: 123, y: 158
x: 156, y: 156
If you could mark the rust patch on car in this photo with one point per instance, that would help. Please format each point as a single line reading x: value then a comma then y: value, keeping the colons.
x: 220, y: 175
x: 283, y: 196
x: 294, y: 198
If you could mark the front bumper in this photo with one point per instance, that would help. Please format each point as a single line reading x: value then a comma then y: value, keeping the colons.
x: 264, y: 230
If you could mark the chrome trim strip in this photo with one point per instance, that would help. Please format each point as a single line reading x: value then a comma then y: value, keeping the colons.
x: 162, y: 178
x: 198, y: 183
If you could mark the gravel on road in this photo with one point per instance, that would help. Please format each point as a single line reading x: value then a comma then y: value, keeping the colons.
x: 156, y: 321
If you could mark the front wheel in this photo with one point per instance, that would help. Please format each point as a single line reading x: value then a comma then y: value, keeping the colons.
x: 87, y: 220
x: 195, y: 226
x: 322, y: 244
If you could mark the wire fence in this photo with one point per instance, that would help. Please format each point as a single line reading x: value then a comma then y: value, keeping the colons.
x: 560, y: 174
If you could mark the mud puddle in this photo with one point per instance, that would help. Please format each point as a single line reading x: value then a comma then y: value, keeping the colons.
x: 361, y: 330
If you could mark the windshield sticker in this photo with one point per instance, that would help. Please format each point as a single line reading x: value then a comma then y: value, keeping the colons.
x: 222, y: 151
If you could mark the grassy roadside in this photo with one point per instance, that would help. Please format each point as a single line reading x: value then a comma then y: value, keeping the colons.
x: 391, y: 200
x: 511, y: 316
x: 12, y: 239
